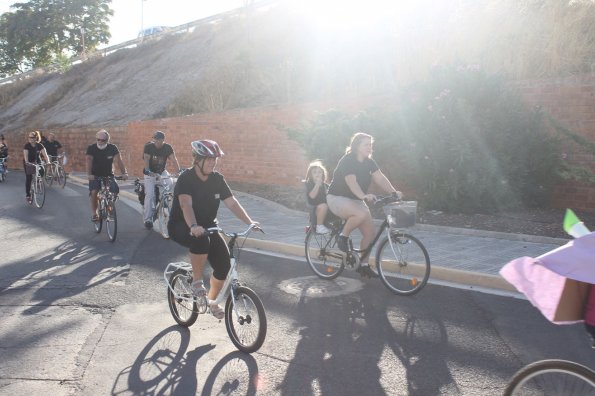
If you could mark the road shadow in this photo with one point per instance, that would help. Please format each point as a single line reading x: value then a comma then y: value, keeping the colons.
x: 165, y: 366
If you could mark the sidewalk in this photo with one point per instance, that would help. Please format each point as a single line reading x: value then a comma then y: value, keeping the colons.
x: 462, y: 256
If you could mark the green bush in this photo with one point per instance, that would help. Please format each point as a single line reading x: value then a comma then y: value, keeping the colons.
x: 462, y: 141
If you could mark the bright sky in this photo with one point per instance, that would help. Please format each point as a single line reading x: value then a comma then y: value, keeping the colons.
x: 131, y: 15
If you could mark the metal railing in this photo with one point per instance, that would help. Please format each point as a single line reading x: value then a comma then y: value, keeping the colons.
x: 187, y: 27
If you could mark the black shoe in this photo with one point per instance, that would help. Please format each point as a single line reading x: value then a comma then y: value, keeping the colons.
x: 148, y: 225
x: 366, y: 271
x: 343, y: 243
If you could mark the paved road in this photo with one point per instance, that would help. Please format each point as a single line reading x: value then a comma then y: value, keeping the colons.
x: 81, y: 315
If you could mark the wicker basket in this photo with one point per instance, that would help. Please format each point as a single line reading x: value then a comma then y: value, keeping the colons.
x: 401, y: 214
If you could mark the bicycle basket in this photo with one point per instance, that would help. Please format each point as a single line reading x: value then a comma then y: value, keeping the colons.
x: 401, y: 214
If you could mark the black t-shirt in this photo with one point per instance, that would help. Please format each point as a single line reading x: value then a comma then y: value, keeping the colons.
x: 349, y: 165
x: 320, y: 198
x: 102, y: 159
x: 206, y: 196
x: 33, y: 151
x: 52, y: 147
x: 158, y: 156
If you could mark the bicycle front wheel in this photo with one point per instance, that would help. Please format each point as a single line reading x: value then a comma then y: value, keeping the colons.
x: 61, y: 177
x: 164, y: 211
x: 403, y: 263
x: 100, y: 213
x: 245, y: 320
x: 552, y: 377
x: 322, y: 254
x: 184, y: 312
x: 111, y: 220
x: 39, y: 192
x: 49, y: 175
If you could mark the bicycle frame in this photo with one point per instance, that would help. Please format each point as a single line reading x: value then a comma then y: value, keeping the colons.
x: 231, y: 281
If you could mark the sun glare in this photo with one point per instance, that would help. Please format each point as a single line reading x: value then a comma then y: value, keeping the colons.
x: 337, y: 15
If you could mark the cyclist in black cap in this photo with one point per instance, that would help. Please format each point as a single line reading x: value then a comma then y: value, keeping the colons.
x: 155, y: 154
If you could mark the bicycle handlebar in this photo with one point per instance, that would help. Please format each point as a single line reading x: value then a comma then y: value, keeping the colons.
x: 253, y: 226
x: 385, y: 200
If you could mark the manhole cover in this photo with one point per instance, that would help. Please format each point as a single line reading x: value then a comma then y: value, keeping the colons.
x: 311, y: 286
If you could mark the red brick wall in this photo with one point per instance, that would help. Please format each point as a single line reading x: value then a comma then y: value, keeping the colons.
x: 258, y: 150
x: 571, y: 102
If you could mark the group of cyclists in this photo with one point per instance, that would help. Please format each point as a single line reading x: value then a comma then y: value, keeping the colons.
x: 200, y: 189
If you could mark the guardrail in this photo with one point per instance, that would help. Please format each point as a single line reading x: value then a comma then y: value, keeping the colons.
x: 141, y: 40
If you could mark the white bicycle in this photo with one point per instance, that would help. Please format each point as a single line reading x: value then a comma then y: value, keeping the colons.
x: 245, y: 317
x: 164, y: 199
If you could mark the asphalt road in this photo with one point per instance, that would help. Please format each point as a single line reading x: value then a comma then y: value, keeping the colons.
x: 81, y: 315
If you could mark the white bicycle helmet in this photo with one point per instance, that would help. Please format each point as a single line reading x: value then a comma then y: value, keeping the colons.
x: 206, y: 149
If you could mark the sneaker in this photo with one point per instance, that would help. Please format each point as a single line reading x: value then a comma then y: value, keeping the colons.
x: 29, y: 200
x: 216, y: 310
x: 366, y: 271
x: 343, y: 243
x: 148, y: 225
x: 321, y: 229
x: 94, y: 218
x: 198, y: 288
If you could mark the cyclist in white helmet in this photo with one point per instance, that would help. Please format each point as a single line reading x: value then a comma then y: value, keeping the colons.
x: 196, y: 201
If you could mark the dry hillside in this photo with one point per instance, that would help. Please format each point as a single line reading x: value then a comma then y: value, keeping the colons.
x: 281, y: 56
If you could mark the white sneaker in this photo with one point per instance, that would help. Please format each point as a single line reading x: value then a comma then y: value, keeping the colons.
x: 321, y: 229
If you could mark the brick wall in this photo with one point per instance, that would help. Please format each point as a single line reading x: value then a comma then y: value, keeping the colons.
x: 258, y: 150
x: 571, y: 102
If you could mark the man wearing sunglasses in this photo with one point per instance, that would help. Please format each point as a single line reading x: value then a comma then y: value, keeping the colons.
x: 100, y: 159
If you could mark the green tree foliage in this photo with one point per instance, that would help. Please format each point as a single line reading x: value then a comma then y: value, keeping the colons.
x: 462, y: 141
x: 37, y: 32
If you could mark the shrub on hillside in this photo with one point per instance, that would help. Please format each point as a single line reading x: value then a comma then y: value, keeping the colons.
x: 462, y: 140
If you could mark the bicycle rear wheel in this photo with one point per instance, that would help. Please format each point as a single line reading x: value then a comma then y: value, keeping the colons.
x: 184, y: 312
x: 552, y: 377
x: 111, y: 220
x: 245, y: 320
x: 164, y: 209
x: 61, y: 177
x: 403, y: 263
x: 38, y: 192
x: 322, y: 254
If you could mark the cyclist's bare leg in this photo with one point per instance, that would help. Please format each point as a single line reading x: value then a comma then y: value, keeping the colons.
x: 321, y: 211
x: 93, y: 198
x: 198, y: 264
x: 216, y: 286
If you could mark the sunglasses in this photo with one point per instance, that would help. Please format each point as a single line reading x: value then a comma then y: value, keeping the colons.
x: 32, y: 137
x: 102, y: 140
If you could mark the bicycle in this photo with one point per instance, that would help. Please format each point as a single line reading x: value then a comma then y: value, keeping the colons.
x: 552, y: 377
x: 37, y: 190
x: 55, y: 171
x: 2, y: 169
x: 106, y: 208
x: 164, y: 200
x: 245, y: 317
x: 402, y: 261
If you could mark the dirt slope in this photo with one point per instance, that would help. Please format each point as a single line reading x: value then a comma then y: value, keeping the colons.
x: 132, y: 84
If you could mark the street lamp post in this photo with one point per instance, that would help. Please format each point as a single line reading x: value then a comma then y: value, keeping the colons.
x: 83, y: 55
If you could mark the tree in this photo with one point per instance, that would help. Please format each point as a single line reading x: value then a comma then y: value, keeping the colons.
x: 38, y: 31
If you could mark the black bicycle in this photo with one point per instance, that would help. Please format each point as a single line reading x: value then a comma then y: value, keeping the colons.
x: 106, y: 208
x: 552, y: 377
x: 401, y: 261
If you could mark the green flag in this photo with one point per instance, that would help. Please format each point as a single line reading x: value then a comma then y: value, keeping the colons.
x: 570, y: 219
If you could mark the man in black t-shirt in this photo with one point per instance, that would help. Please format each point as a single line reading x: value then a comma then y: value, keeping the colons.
x: 100, y: 159
x: 155, y: 154
x: 52, y: 146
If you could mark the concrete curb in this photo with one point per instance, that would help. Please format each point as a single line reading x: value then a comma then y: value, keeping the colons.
x: 468, y: 278
x: 473, y: 279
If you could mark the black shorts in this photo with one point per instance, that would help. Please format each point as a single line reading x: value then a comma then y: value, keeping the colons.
x: 213, y: 246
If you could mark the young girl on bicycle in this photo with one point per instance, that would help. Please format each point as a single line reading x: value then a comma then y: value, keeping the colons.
x: 316, y: 190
